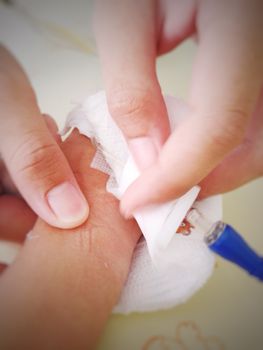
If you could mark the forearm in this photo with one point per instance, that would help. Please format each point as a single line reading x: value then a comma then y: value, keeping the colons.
x: 89, y: 270
x: 82, y: 271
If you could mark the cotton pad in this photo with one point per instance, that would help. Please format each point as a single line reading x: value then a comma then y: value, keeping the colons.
x: 167, y: 267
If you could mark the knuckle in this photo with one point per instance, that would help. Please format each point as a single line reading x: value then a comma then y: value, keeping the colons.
x: 225, y: 139
x: 230, y: 132
x: 36, y: 159
x: 131, y: 110
x: 125, y: 102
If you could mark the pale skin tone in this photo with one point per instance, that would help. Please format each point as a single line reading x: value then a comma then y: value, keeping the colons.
x: 59, y: 292
x: 220, y: 144
x: 30, y: 155
x: 61, y: 279
x: 224, y: 123
x: 63, y: 285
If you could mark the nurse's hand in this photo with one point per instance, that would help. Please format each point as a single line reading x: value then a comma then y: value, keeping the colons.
x: 38, y: 169
x: 218, y: 146
x: 59, y: 292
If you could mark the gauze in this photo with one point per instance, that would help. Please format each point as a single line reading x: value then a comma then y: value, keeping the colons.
x: 167, y: 267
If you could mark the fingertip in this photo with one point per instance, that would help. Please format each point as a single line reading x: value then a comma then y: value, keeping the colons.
x: 139, y: 194
x: 144, y: 151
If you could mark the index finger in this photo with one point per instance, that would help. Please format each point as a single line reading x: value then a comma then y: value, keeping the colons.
x: 126, y: 35
x: 228, y: 74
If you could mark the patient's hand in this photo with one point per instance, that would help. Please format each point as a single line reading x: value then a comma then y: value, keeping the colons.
x: 63, y: 285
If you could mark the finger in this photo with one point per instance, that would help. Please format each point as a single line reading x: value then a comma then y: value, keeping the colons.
x: 52, y: 127
x: 7, y: 184
x: 16, y: 218
x: 176, y: 23
x: 126, y: 39
x: 226, y: 84
x: 243, y: 164
x: 34, y: 160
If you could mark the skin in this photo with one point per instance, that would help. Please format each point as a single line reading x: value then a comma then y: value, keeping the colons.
x: 219, y: 146
x: 59, y: 292
x: 64, y: 283
x: 37, y: 166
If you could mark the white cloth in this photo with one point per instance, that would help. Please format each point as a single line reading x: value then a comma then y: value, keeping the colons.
x: 167, y: 267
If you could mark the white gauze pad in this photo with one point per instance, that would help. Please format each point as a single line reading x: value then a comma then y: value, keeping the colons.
x: 167, y: 267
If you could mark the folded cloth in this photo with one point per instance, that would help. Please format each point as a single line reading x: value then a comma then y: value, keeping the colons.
x: 167, y: 267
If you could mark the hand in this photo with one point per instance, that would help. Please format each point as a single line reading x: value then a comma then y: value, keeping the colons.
x: 63, y: 285
x: 30, y: 154
x: 218, y: 146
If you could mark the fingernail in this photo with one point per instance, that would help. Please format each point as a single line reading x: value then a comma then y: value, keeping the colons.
x: 144, y: 151
x: 68, y: 204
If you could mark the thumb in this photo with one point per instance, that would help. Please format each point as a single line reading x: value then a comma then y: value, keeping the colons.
x: 41, y: 172
x: 32, y: 157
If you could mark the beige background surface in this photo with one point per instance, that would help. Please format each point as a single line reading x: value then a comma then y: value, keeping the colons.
x: 52, y: 41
